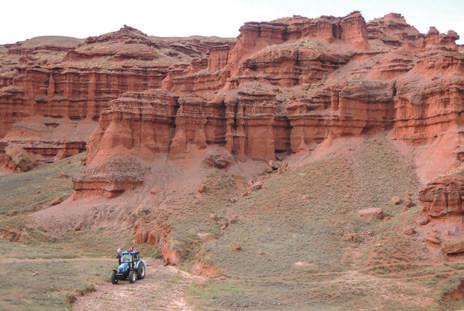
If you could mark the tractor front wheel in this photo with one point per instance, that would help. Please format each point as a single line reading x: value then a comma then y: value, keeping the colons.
x: 132, y: 277
x: 114, y: 279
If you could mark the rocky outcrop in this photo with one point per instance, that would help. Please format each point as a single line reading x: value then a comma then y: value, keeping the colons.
x: 16, y: 159
x: 218, y: 57
x: 435, y: 38
x: 287, y: 85
x: 443, y: 196
x: 281, y: 87
x: 138, y: 122
x: 429, y: 97
x: 443, y: 209
x: 111, y: 178
x: 289, y: 64
x: 250, y: 113
x: 197, y: 123
x: 351, y: 109
x: 393, y: 30
x: 160, y: 237
x: 70, y: 80
x: 254, y: 36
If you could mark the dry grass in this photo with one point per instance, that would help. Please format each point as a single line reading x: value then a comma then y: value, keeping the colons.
x: 42, y: 273
x: 45, y: 276
x: 35, y: 189
x: 305, y: 216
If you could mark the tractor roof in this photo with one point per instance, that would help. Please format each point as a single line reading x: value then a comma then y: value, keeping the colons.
x: 134, y: 252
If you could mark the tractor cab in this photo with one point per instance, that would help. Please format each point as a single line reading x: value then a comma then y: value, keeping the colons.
x: 129, y: 256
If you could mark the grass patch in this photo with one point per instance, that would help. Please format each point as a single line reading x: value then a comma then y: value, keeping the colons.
x: 42, y: 273
x: 32, y: 190
x: 303, y: 216
x: 47, y: 285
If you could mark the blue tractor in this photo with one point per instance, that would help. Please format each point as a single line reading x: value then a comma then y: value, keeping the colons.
x: 131, y: 267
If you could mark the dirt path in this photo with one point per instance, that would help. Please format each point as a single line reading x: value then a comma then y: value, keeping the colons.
x: 162, y: 289
x: 8, y: 260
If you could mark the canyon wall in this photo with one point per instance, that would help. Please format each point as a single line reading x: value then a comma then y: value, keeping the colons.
x: 287, y: 85
x: 54, y: 85
x: 281, y: 87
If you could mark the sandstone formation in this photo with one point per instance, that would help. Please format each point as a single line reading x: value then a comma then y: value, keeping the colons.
x: 443, y: 196
x: 281, y: 87
x: 16, y: 159
x: 112, y: 177
x: 442, y: 203
x: 289, y: 84
x: 53, y: 89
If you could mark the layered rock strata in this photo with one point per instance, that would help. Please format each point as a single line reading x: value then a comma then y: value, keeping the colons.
x: 281, y: 87
x: 62, y: 78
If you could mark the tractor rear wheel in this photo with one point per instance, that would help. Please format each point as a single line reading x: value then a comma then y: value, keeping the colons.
x: 114, y: 279
x: 132, y: 277
x: 141, y: 271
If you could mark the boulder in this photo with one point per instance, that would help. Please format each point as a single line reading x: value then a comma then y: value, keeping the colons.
x: 371, y: 213
x: 396, y: 200
x: 205, y: 236
x: 443, y: 196
x: 407, y: 202
x: 219, y: 161
x: 16, y: 158
x: 409, y: 231
x: 255, y: 186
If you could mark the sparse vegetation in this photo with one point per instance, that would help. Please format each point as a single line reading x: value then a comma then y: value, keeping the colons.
x: 302, y: 244
x: 40, y: 272
x: 36, y: 189
x: 309, y: 215
x: 41, y: 278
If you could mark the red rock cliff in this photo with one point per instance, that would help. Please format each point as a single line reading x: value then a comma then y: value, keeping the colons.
x: 291, y: 83
x: 281, y: 87
x: 49, y: 84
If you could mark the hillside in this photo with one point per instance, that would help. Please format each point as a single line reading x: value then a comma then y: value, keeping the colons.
x: 310, y: 163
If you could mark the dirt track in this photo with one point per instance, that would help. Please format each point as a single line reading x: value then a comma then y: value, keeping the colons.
x: 8, y: 260
x: 162, y: 289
